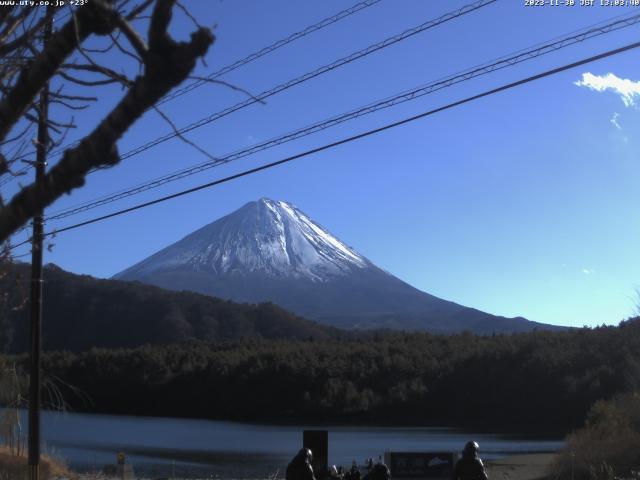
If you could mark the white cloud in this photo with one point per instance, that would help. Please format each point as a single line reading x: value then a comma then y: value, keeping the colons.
x: 614, y: 120
x: 627, y: 89
x: 588, y: 271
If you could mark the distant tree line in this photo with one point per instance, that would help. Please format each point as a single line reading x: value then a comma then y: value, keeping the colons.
x: 81, y: 312
x: 546, y: 380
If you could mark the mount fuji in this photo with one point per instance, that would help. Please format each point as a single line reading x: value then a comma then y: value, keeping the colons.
x: 271, y: 251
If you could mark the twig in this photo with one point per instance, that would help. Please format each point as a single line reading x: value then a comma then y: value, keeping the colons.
x: 188, y: 14
x: 95, y: 17
x: 125, y: 51
x: 134, y: 39
x: 168, y: 64
x: 87, y: 83
x: 182, y: 137
x: 229, y: 85
x: 138, y: 10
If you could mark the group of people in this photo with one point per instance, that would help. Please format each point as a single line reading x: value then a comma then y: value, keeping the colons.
x: 300, y: 468
x: 468, y: 467
x: 338, y: 474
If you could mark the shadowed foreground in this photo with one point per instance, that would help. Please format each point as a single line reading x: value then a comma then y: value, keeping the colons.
x: 520, y: 467
x: 14, y: 467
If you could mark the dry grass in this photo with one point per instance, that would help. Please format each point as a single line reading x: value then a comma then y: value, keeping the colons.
x: 608, y: 446
x: 14, y: 467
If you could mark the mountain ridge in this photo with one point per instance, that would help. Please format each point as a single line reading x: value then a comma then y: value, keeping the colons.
x: 83, y: 312
x: 272, y: 251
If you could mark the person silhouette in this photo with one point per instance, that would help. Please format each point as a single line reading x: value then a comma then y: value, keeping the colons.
x: 354, y: 473
x: 470, y: 466
x: 379, y: 471
x: 300, y: 467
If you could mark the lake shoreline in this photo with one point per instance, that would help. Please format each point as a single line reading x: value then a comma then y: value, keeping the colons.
x: 533, y: 466
x: 540, y: 431
x: 153, y: 445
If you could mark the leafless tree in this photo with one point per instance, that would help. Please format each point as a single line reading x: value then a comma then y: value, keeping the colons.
x: 26, y: 66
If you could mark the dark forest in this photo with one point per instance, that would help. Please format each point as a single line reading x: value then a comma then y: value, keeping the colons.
x: 536, y: 381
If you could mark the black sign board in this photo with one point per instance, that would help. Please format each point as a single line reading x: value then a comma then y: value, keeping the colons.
x: 428, y: 465
x: 318, y: 442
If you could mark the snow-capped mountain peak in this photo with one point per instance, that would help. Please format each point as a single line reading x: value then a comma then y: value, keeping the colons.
x: 270, y: 237
x: 270, y: 251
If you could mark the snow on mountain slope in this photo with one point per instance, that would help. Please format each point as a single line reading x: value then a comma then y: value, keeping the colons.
x: 271, y: 237
x: 270, y: 251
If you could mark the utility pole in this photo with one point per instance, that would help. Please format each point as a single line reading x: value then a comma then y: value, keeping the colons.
x: 36, y: 279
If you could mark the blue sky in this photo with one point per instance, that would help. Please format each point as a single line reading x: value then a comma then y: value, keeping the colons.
x: 521, y: 203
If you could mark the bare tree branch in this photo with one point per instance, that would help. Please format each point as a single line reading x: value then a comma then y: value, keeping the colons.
x: 87, y: 83
x: 93, y: 66
x: 95, y: 17
x: 106, y: 49
x: 77, y: 98
x: 4, y: 165
x: 188, y: 14
x: 116, y: 43
x: 59, y: 141
x: 16, y: 137
x: 229, y: 85
x: 168, y: 63
x: 5, y: 12
x: 107, y: 72
x: 69, y: 105
x: 27, y: 36
x: 179, y: 135
x: 138, y: 10
x: 34, y: 118
x: 134, y: 39
x: 12, y: 23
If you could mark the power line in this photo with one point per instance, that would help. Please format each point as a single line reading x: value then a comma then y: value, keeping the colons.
x: 271, y: 48
x: 504, y: 62
x: 313, y: 74
x: 13, y: 247
x: 229, y: 68
x: 11, y: 177
x: 356, y: 137
x: 307, y: 76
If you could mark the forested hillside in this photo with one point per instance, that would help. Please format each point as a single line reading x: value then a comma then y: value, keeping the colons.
x: 545, y: 380
x: 82, y: 312
x: 184, y: 354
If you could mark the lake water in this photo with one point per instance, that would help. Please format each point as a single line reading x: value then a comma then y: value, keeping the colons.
x: 164, y: 447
